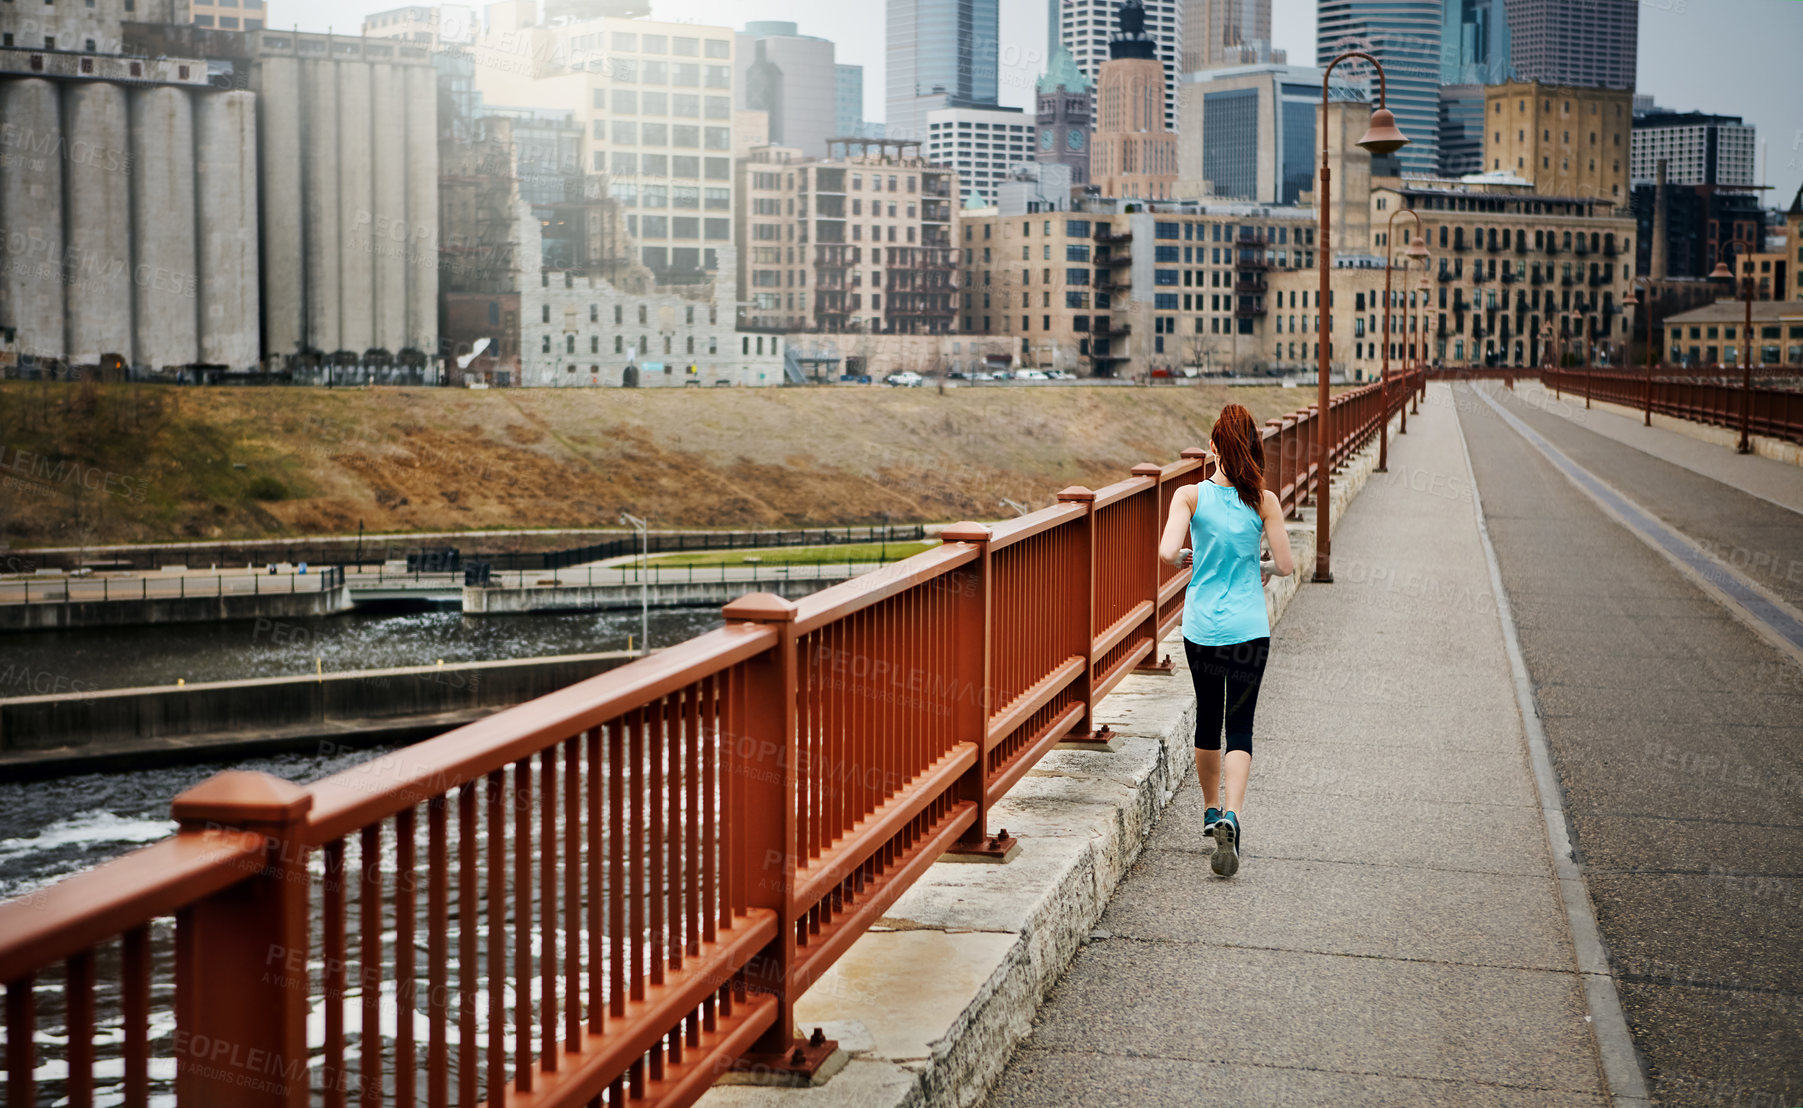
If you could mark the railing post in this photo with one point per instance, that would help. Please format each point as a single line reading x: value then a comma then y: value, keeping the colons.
x: 972, y: 616
x: 766, y: 825
x: 1088, y: 733
x: 1154, y: 569
x: 242, y: 955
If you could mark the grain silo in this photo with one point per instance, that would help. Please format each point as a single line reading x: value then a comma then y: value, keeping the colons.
x: 319, y: 226
x: 225, y: 152
x: 422, y: 208
x: 31, y: 217
x: 165, y: 283
x: 356, y: 282
x: 97, y: 221
x: 278, y: 83
x: 386, y: 230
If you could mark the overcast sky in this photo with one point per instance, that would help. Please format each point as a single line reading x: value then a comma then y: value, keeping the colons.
x: 1736, y: 57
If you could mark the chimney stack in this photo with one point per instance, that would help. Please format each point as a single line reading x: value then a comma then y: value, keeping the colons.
x: 1657, y: 269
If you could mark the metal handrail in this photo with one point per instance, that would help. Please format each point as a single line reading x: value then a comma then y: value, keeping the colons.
x: 655, y: 862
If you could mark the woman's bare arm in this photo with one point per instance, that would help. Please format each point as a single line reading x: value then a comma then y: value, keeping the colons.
x: 1176, y: 528
x: 1282, y: 565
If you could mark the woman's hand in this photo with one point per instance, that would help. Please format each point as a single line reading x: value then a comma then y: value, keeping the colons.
x: 1184, y: 558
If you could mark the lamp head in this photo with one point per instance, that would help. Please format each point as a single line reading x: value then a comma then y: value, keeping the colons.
x: 1721, y: 272
x: 1417, y: 248
x: 1382, y: 136
x: 1629, y: 300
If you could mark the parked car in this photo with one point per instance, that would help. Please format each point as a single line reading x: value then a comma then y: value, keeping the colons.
x: 981, y: 376
x: 1032, y: 375
x: 854, y: 378
x: 1062, y: 375
x: 957, y: 375
x: 904, y: 380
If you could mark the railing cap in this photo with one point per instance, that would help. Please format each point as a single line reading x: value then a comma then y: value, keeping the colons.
x: 966, y: 531
x: 1076, y: 493
x: 1147, y: 469
x: 242, y: 798
x: 760, y: 607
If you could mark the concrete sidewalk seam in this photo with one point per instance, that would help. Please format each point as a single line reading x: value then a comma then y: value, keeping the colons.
x: 1384, y: 865
x: 1249, y: 1064
x: 1353, y: 954
x: 1622, y: 1070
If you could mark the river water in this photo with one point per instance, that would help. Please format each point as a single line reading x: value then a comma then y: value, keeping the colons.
x: 49, y: 829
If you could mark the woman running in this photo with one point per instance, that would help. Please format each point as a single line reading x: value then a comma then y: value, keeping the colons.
x: 1226, y: 631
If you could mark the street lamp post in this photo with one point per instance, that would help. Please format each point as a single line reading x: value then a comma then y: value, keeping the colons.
x: 644, y: 580
x: 1418, y: 343
x: 1589, y: 357
x: 1417, y: 250
x: 1719, y: 273
x: 1381, y: 137
x: 1630, y: 301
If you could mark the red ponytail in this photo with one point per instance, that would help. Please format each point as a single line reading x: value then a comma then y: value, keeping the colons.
x: 1240, y: 449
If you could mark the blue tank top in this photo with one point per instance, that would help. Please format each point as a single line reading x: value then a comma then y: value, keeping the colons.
x: 1225, y: 602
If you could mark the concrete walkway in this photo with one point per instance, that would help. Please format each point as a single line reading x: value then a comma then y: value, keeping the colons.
x: 1396, y: 933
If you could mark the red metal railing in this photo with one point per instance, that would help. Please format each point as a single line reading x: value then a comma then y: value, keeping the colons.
x: 613, y: 893
x: 1774, y: 412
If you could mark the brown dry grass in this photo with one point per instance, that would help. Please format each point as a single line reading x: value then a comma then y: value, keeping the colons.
x: 443, y: 459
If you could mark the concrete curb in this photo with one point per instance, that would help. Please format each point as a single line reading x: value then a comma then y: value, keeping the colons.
x: 1621, y: 1064
x: 1779, y: 450
x: 931, y: 1005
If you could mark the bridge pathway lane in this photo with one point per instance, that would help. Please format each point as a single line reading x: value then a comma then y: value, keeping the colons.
x: 1677, y: 733
x: 1759, y: 535
x: 1396, y: 934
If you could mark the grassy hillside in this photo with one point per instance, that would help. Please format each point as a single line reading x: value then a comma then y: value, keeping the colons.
x: 142, y: 463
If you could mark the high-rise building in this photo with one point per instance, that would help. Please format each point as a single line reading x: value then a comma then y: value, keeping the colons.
x: 1405, y: 36
x: 1561, y: 42
x: 1474, y: 43
x: 1698, y: 149
x: 848, y: 100
x: 1066, y: 115
x: 1227, y: 32
x: 981, y: 144
x: 1248, y: 132
x: 1087, y: 26
x: 1567, y: 141
x: 941, y: 54
x: 1135, y: 152
x: 656, y: 103
x: 238, y: 15
x: 1461, y: 130
x: 793, y: 77
x: 860, y: 241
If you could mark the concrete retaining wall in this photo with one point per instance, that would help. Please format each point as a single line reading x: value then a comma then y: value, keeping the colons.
x: 664, y: 594
x: 51, y: 615
x: 138, y: 726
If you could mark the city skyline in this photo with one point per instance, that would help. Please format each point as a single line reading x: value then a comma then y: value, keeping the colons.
x: 1684, y: 49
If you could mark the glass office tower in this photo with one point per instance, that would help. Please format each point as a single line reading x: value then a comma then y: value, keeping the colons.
x: 1405, y: 35
x: 941, y: 54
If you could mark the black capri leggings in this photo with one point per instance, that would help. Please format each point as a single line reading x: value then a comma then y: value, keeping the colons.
x: 1227, y: 680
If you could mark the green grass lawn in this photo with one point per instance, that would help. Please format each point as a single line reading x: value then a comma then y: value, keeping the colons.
x: 797, y: 555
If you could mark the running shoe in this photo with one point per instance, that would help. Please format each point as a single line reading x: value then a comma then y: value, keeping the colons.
x: 1210, y: 817
x: 1225, y: 861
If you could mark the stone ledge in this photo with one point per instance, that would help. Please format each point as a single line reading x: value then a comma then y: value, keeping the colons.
x: 931, y: 1004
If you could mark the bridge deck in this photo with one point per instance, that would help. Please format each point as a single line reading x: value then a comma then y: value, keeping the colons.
x: 1396, y: 934
x: 1677, y: 730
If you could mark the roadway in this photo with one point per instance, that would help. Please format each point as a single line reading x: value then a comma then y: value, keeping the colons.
x: 1675, y: 727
